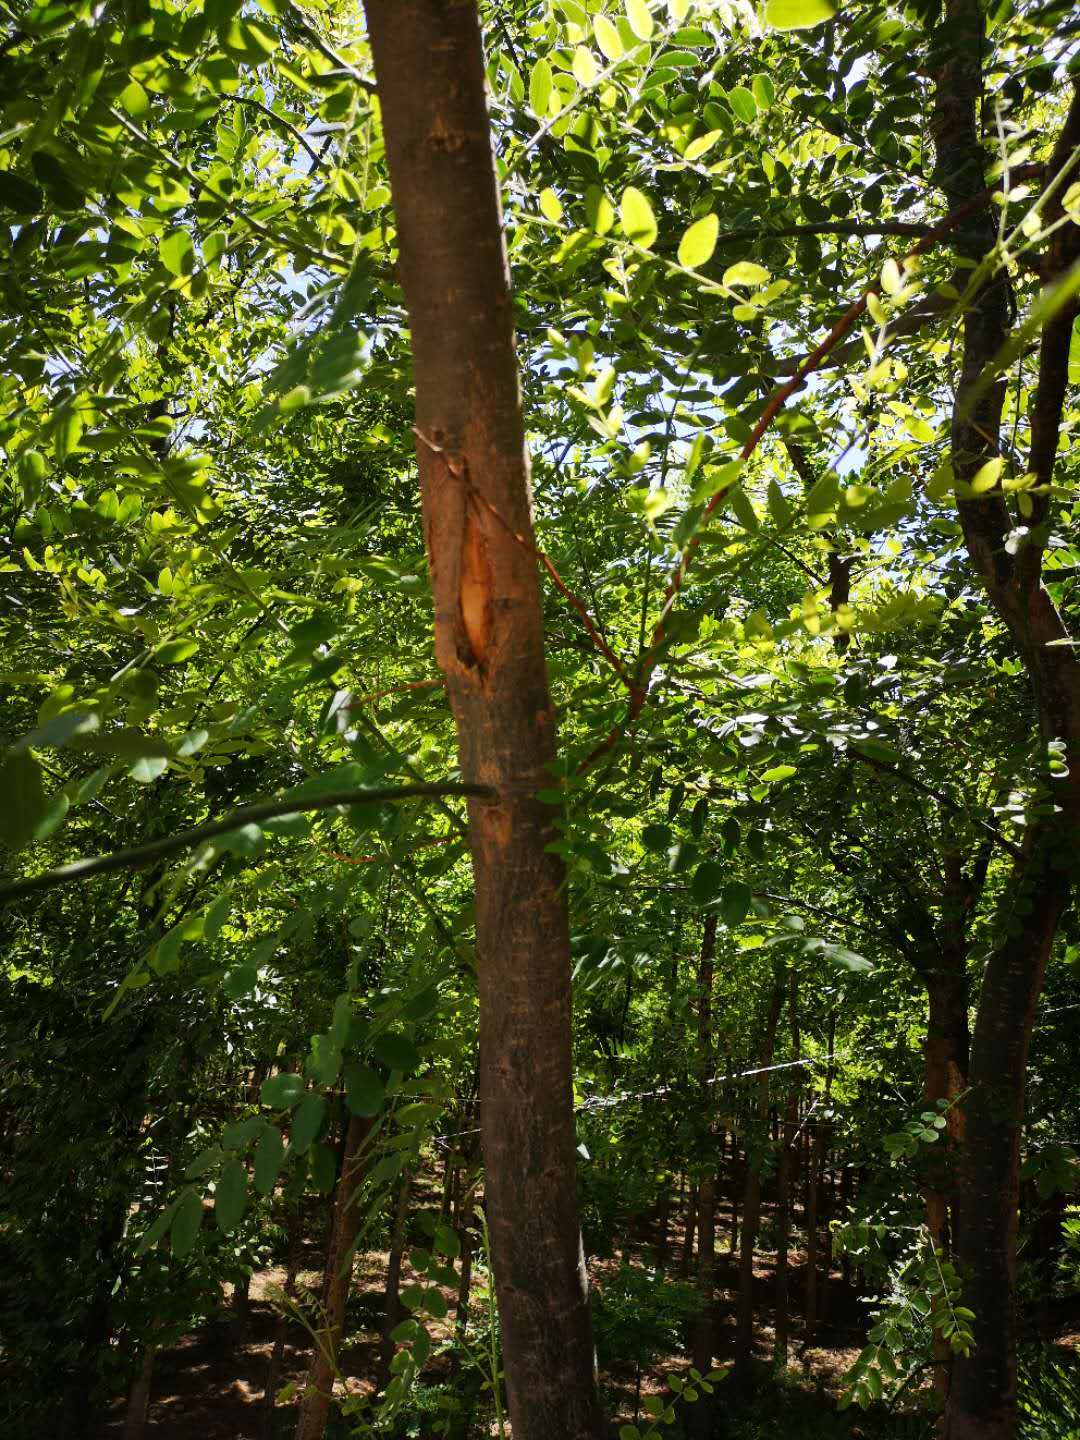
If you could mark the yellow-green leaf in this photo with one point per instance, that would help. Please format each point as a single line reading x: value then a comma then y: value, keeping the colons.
x: 641, y: 21
x: 584, y: 66
x: 891, y: 279
x: 798, y: 14
x: 177, y: 253
x: 987, y: 476
x: 919, y: 430
x: 607, y: 37
x: 540, y: 87
x: 638, y: 220
x: 699, y: 147
x: 550, y: 204
x: 699, y: 242
x: 599, y: 211
x: 745, y: 272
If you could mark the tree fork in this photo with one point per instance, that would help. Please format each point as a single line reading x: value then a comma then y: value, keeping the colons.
x: 489, y: 644
x: 982, y: 1401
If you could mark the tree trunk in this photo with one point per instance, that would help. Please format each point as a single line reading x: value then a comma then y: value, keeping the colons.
x: 241, y: 1308
x: 744, y: 1334
x: 703, y: 1344
x: 489, y: 643
x: 688, y: 1237
x: 663, y: 1229
x: 315, y: 1405
x: 281, y: 1329
x: 815, y: 1171
x: 394, y: 1311
x: 786, y: 1182
x: 982, y: 1396
x: 944, y: 1078
x: 138, y: 1406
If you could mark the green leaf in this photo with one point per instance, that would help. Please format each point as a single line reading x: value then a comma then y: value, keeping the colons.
x: 148, y: 769
x: 240, y: 980
x: 157, y: 1229
x: 187, y: 1222
x: 363, y: 1090
x: 242, y: 1132
x: 745, y: 272
x: 59, y: 729
x: 307, y: 1122
x: 706, y: 882
x: 177, y: 253
x: 699, y: 242
x: 735, y: 903
x: 283, y: 1091
x: 230, y: 1197
x: 637, y: 218
x: 323, y: 1166
x: 252, y: 42
x: 31, y: 472
x: 269, y: 1158
x: 798, y: 14
x: 777, y: 772
x: 540, y: 88
x: 764, y: 92
x: 23, y: 806
x: 174, y: 652
x: 743, y: 104
x: 134, y: 99
x: 396, y: 1052
x: 325, y: 1060
x: 607, y: 37
x: 19, y: 196
x: 641, y: 20
x: 216, y: 915
x: 203, y: 1163
x: 447, y: 1241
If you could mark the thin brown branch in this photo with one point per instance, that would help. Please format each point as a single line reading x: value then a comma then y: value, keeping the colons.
x: 807, y: 367
x: 1064, y: 252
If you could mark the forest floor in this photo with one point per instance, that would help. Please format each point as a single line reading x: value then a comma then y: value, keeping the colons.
x: 212, y: 1384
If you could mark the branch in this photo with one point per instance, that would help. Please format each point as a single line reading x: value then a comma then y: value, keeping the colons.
x: 296, y: 134
x: 809, y: 364
x: 137, y: 855
x: 1053, y: 379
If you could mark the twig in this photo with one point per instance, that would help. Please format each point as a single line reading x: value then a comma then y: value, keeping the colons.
x: 779, y: 399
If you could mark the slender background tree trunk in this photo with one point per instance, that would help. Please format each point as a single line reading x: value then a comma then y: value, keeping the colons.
x: 744, y: 1335
x: 344, y: 1228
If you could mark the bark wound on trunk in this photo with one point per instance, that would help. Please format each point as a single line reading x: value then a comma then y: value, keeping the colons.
x: 489, y: 643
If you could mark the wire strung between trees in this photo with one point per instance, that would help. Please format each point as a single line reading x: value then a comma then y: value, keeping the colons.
x: 608, y: 1102
x: 260, y: 812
